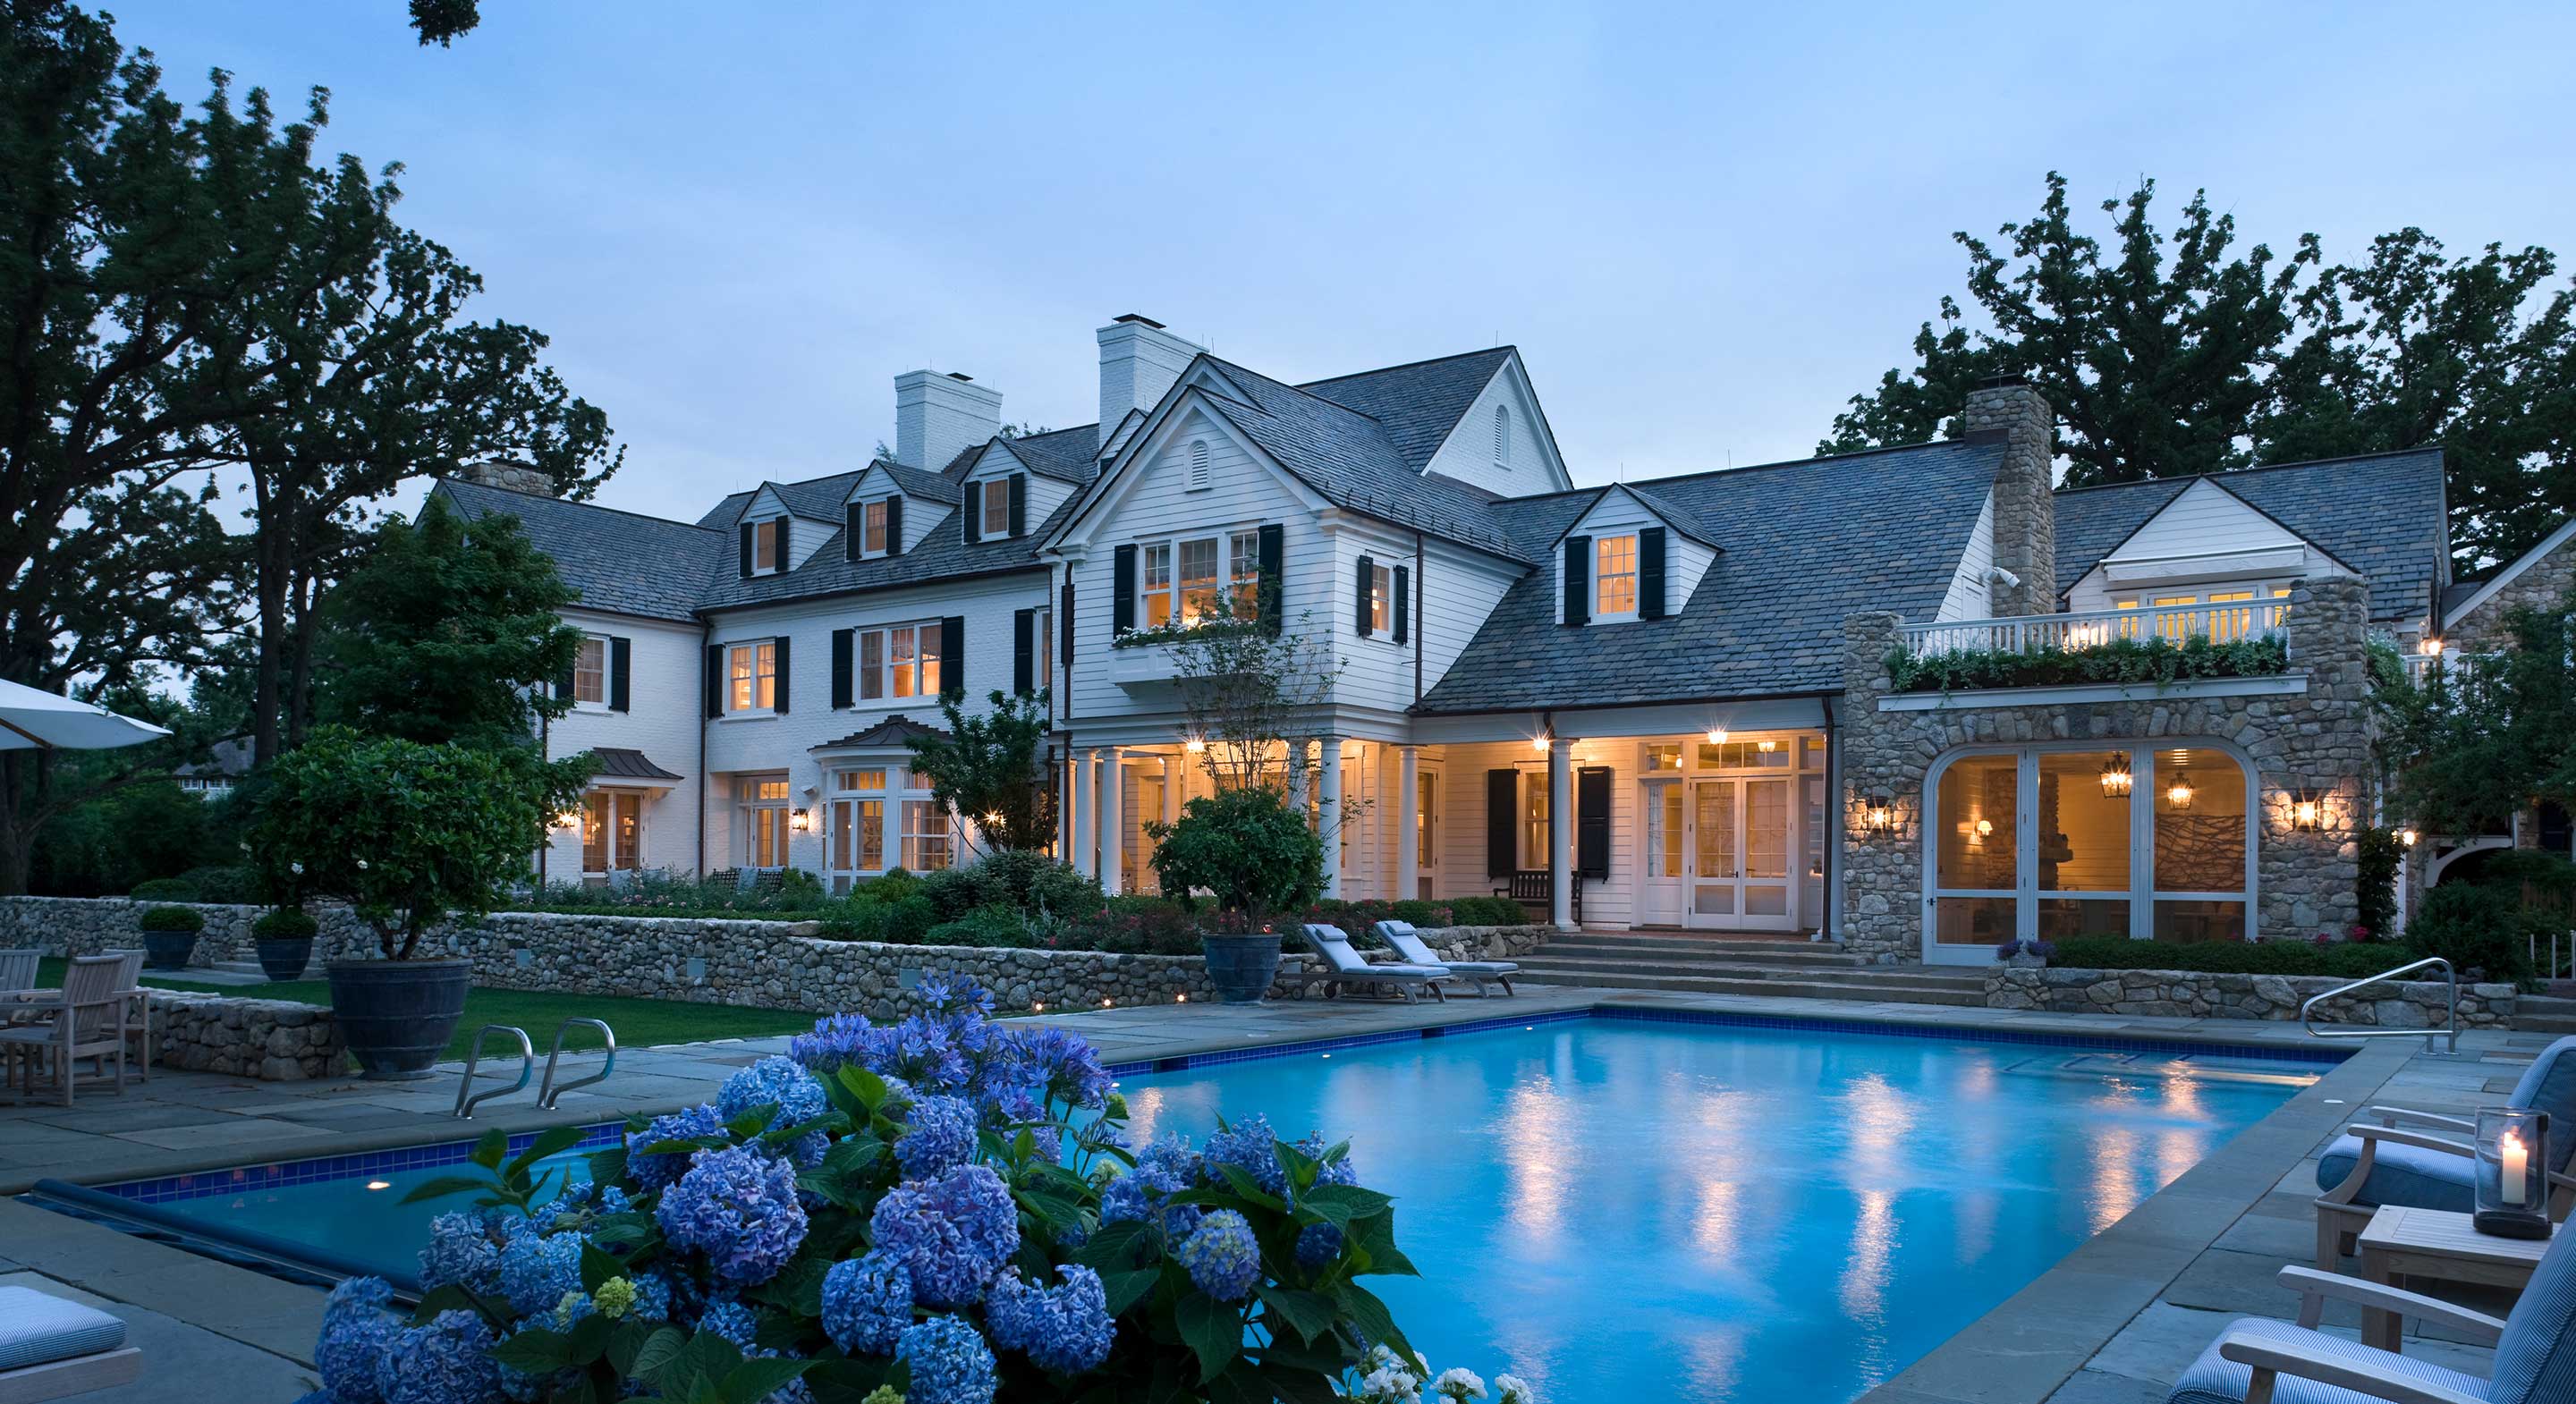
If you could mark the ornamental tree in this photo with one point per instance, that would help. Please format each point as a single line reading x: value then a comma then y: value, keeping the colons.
x: 989, y: 767
x: 1245, y: 848
x: 2480, y: 738
x: 407, y: 833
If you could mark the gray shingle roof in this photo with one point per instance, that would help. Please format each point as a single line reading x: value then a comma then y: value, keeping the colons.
x: 1070, y: 454
x: 1417, y: 405
x: 2380, y: 514
x: 893, y: 731
x: 941, y: 554
x: 622, y: 562
x: 1808, y: 544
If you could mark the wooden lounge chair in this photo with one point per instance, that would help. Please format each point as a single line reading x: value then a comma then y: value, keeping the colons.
x: 1349, y: 968
x: 86, y: 1021
x: 2423, y: 1161
x: 1408, y: 943
x: 53, y: 1349
x: 2260, y: 1361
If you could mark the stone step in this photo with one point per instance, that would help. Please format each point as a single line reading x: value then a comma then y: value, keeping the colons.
x: 1752, y: 970
x: 312, y: 969
x: 1817, y: 952
x: 1791, y: 988
x: 2544, y: 1023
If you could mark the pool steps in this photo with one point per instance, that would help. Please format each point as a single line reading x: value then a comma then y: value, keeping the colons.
x: 1728, y: 965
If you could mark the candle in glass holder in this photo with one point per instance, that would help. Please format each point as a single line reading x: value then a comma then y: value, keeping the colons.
x: 2514, y: 1160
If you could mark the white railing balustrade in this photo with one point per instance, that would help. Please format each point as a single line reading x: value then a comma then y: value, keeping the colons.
x: 2226, y: 622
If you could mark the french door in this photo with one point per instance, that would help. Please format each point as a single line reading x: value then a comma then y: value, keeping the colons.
x: 1659, y: 887
x: 612, y: 832
x: 1737, y: 854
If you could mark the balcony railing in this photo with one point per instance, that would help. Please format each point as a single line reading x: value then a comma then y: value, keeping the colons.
x: 2225, y: 622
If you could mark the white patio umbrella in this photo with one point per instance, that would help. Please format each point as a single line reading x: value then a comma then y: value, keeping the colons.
x: 42, y: 721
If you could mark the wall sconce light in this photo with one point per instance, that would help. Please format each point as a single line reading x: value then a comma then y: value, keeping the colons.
x: 2430, y: 647
x: 569, y: 819
x: 800, y: 819
x: 1766, y: 745
x: 1195, y: 745
x: 2179, y: 793
x: 2408, y: 836
x: 2117, y: 778
x: 993, y: 819
x: 1717, y: 736
x: 2307, y: 810
x: 1878, y: 813
x: 1539, y: 744
x: 1977, y: 831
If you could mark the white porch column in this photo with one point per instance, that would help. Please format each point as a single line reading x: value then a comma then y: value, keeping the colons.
x: 1297, y: 776
x: 1086, y: 805
x: 1328, y: 753
x: 1560, y: 832
x: 1113, y: 822
x: 1064, y: 811
x: 1408, y: 798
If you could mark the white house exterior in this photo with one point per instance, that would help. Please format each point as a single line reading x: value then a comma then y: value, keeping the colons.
x: 1664, y: 702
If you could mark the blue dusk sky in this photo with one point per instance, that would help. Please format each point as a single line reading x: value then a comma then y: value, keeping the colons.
x: 1705, y: 226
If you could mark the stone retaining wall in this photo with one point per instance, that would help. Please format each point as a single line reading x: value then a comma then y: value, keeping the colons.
x: 2396, y: 1004
x: 272, y: 1040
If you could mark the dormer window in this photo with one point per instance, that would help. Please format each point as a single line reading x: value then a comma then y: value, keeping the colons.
x: 768, y: 547
x: 996, y: 508
x: 1614, y: 577
x: 872, y: 528
x: 996, y: 505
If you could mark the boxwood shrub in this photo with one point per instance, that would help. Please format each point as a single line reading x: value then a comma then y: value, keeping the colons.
x: 285, y: 924
x: 171, y: 919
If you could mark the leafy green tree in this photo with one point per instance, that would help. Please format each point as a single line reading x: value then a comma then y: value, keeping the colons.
x: 447, y: 630
x: 442, y: 22
x: 991, y: 768
x: 407, y: 833
x: 2482, y: 738
x: 1245, y: 848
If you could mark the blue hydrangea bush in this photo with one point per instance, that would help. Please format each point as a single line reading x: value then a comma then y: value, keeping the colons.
x: 940, y: 1211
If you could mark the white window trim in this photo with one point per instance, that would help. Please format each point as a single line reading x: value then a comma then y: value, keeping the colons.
x: 607, y: 664
x: 748, y: 806
x: 754, y: 711
x: 1632, y: 575
x: 885, y: 670
x: 1381, y: 601
x: 986, y: 499
x: 776, y: 529
x: 879, y: 505
x: 1226, y: 538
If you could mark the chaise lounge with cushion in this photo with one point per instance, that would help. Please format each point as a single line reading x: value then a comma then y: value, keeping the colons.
x: 1349, y: 968
x: 53, y: 1349
x: 1409, y: 944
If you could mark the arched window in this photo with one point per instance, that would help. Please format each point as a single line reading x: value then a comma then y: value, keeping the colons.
x: 1502, y: 436
x: 2052, y: 842
x: 1198, y: 464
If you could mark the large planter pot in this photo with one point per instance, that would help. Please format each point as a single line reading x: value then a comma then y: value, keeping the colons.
x: 1241, y: 967
x: 285, y: 957
x: 396, y: 1015
x: 168, y: 950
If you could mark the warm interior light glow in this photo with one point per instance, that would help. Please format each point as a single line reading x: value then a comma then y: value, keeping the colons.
x: 2180, y: 792
x: 1766, y: 745
x: 1717, y: 736
x: 2116, y: 776
x: 1196, y: 745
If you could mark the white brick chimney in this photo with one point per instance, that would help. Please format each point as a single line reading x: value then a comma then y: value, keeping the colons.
x: 1138, y: 362
x: 939, y: 416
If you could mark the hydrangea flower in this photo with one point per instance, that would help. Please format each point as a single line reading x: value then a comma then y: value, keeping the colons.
x: 738, y: 1207
x: 1458, y: 1385
x: 573, y: 1307
x: 1166, y: 1168
x: 1065, y: 1329
x: 867, y: 1303
x: 356, y: 1332
x: 461, y: 1252
x: 775, y: 1082
x: 1512, y: 1389
x: 1246, y: 1146
x: 950, y: 1364
x: 652, y: 1296
x: 1318, y: 1244
x: 654, y: 1172
x: 1060, y: 1065
x: 733, y: 1321
x: 577, y: 1206
x: 1328, y: 1172
x: 939, y: 1132
x: 952, y: 1233
x: 1222, y: 1256
x: 615, y: 1298
x: 448, y: 1361
x: 536, y: 1271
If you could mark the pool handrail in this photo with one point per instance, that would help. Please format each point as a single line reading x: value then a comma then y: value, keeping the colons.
x: 466, y: 1097
x: 547, y: 1091
x: 2451, y: 1027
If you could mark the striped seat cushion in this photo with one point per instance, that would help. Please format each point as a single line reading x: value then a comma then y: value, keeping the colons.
x: 36, y: 1329
x: 2535, y: 1362
x: 2214, y: 1379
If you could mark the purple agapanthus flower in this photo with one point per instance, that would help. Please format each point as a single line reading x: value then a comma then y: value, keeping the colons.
x: 1060, y: 1065
x: 1065, y: 1329
x: 867, y: 1303
x: 952, y: 1233
x: 738, y: 1207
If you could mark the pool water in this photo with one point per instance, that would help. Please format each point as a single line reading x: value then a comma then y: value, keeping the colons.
x: 1617, y: 1210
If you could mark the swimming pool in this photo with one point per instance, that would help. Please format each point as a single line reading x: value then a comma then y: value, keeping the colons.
x: 1617, y: 1209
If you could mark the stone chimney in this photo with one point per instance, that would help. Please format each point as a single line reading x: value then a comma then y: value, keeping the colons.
x: 2025, y: 501
x: 1138, y: 363
x: 939, y: 416
x: 509, y: 477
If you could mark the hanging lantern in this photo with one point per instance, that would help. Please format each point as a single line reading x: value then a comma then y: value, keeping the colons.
x: 2408, y: 837
x: 800, y: 819
x: 2116, y: 776
x: 1766, y: 745
x: 1878, y: 813
x: 2179, y: 793
x: 1717, y: 736
x: 2307, y: 811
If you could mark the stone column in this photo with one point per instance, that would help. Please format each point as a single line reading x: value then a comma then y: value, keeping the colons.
x: 1086, y: 811
x: 2025, y: 503
x: 2321, y: 741
x: 1329, y: 825
x: 1113, y: 821
x: 1408, y: 800
x: 1560, y: 831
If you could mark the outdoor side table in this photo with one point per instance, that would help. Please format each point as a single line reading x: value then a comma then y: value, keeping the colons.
x: 2440, y: 1244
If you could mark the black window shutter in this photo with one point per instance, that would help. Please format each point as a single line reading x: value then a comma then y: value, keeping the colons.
x: 1650, y: 573
x: 1064, y: 625
x: 715, y: 680
x: 1502, y: 812
x: 621, y: 660
x: 952, y: 656
x: 1367, y: 577
x: 1122, y: 583
x: 854, y: 530
x: 784, y: 673
x: 974, y: 513
x: 1274, y: 571
x: 746, y: 548
x: 1592, y: 821
x: 1403, y: 601
x: 1578, y: 579
x: 844, y: 667
x: 894, y: 526
x: 1024, y: 651
x: 1019, y: 504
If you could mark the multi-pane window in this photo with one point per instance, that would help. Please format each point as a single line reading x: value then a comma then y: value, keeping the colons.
x: 764, y: 813
x: 1198, y: 580
x: 1614, y: 576
x: 872, y: 529
x: 751, y: 671
x: 768, y: 544
x: 1156, y: 582
x: 925, y: 835
x: 1195, y: 579
x: 1381, y: 598
x: 1426, y: 820
x: 1243, y: 551
x: 1042, y: 647
x: 995, y: 495
x: 858, y: 820
x: 1534, y: 852
x: 590, y: 670
x: 900, y: 661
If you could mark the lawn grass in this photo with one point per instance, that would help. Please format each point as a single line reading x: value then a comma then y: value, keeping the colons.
x: 638, y: 1022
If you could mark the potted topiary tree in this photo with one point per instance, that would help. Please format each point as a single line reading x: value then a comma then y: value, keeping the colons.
x: 1255, y: 857
x: 170, y: 935
x: 285, y: 939
x: 409, y: 834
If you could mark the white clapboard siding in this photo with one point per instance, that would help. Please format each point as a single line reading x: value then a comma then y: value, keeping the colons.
x: 1468, y: 454
x: 1971, y: 596
x: 2205, y: 539
x: 1459, y: 589
x: 661, y: 721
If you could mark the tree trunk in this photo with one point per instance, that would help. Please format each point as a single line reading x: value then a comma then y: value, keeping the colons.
x: 299, y: 691
x: 17, y: 834
x: 272, y: 551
